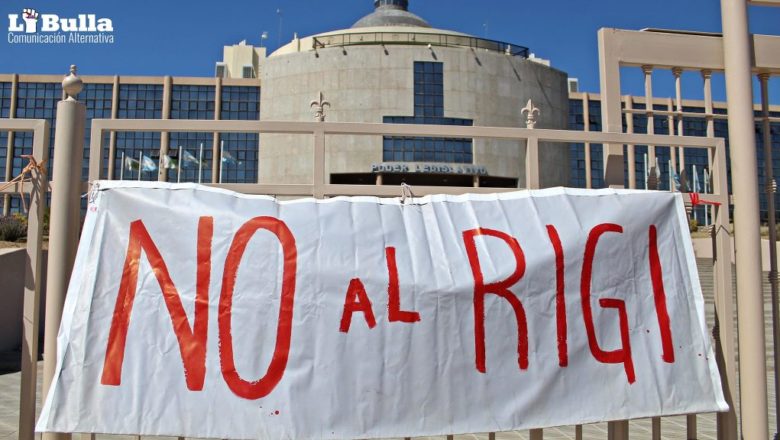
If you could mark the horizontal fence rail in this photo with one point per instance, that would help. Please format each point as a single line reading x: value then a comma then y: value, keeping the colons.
x: 320, y: 130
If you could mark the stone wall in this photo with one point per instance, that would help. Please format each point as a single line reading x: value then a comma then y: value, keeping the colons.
x: 366, y: 83
x: 12, y: 270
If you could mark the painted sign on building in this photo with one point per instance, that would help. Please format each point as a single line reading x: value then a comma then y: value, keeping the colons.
x: 199, y: 312
x: 429, y: 168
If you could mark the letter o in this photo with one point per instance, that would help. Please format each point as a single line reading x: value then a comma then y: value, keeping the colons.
x: 266, y: 384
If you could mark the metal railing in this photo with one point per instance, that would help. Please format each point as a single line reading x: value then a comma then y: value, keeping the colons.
x: 418, y: 38
x: 320, y: 187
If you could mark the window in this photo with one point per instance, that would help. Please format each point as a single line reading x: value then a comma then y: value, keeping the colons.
x: 428, y: 109
x: 35, y: 101
x: 5, y: 99
x: 140, y: 101
x: 133, y: 147
x: 192, y: 102
x: 219, y: 70
x: 194, y: 145
x: 97, y: 98
x: 240, y: 102
x: 5, y: 112
x: 239, y: 163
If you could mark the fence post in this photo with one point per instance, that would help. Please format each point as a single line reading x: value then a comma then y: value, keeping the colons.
x: 64, y: 220
x: 32, y: 286
x: 737, y: 51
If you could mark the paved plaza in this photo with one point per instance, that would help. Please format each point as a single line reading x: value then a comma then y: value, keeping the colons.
x: 672, y: 427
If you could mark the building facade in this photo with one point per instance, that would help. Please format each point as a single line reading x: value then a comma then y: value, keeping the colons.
x: 585, y: 114
x: 120, y: 97
x: 391, y: 66
x: 36, y: 96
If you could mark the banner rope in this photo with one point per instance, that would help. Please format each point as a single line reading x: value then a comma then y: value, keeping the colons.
x: 22, y: 178
x: 406, y: 192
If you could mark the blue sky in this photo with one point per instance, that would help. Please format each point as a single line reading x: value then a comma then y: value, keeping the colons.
x: 185, y: 38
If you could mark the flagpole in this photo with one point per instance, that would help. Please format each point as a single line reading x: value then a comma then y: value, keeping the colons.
x: 221, y: 156
x: 122, y: 169
x: 178, y: 165
x: 200, y: 164
x: 647, y: 171
x: 140, y: 162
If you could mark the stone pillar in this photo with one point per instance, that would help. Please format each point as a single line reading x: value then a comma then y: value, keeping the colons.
x: 64, y: 220
x: 737, y: 52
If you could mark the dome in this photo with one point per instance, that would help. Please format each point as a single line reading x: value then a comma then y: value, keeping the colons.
x: 391, y: 13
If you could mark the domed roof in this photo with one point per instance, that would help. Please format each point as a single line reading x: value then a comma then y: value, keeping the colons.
x: 391, y: 13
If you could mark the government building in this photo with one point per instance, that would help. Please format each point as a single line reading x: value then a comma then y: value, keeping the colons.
x: 390, y: 66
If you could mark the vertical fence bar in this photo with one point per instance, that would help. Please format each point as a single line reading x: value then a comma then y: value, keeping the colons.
x: 617, y: 430
x: 96, y: 151
x: 586, y: 127
x: 725, y: 351
x: 690, y: 419
x: 64, y: 224
x: 631, y: 157
x: 650, y: 117
x: 532, y: 163
x: 165, y: 136
x: 319, y: 163
x: 112, y: 135
x: 690, y: 426
x: 648, y: 71
x: 677, y: 72
x: 672, y: 149
x: 215, y: 137
x: 708, y: 111
x: 769, y: 187
x: 655, y: 423
x: 32, y: 287
x: 611, y: 114
x: 536, y: 434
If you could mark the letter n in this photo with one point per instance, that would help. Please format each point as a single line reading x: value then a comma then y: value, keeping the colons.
x: 192, y: 339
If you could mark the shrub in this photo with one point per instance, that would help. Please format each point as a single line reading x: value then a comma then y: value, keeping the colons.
x: 693, y: 225
x: 12, y: 229
x: 46, y: 217
x: 20, y: 217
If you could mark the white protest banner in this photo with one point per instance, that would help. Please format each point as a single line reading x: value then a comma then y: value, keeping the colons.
x: 200, y: 312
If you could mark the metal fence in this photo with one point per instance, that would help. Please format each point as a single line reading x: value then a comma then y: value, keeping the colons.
x: 418, y: 38
x: 319, y: 187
